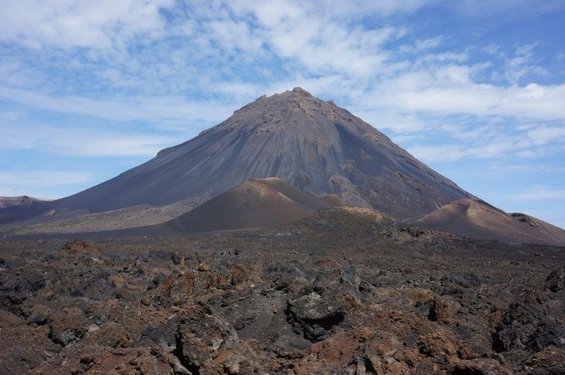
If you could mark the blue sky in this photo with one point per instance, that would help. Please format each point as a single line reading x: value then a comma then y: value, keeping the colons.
x: 476, y: 89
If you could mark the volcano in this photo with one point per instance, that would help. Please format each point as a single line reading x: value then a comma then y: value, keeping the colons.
x: 475, y: 218
x: 313, y: 144
x: 260, y: 203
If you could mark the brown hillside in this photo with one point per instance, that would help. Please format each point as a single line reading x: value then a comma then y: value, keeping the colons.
x: 254, y: 204
x: 476, y: 219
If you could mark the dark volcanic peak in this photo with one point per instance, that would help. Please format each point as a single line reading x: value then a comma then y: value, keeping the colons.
x: 313, y: 144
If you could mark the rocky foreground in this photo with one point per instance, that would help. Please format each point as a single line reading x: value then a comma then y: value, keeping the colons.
x: 337, y: 294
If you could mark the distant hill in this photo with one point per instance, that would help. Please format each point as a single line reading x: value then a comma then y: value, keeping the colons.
x: 260, y: 203
x: 13, y: 209
x: 476, y: 219
x: 23, y: 200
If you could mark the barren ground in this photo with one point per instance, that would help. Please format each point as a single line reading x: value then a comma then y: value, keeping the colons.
x: 334, y: 294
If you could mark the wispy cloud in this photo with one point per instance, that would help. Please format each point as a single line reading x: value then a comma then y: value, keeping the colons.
x: 36, y: 182
x: 69, y: 24
x: 82, y: 142
x: 162, y: 110
x: 101, y: 145
x: 451, y: 90
x: 537, y: 168
x: 542, y: 135
x: 43, y: 177
x: 40, y: 183
x: 539, y: 193
x: 487, y: 140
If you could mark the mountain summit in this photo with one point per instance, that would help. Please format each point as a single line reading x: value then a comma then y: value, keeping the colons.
x: 313, y: 144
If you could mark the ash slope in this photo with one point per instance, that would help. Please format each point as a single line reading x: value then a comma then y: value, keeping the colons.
x: 261, y: 203
x: 476, y: 219
x: 14, y: 209
x: 256, y: 204
x: 313, y: 144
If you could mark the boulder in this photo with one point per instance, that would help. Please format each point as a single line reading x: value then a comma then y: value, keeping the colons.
x: 527, y: 327
x: 556, y: 280
x: 206, y: 344
x: 315, y: 315
x: 66, y: 326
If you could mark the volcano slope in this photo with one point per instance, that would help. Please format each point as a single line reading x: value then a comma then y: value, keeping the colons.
x: 335, y: 293
x: 477, y: 219
x: 256, y: 204
x: 13, y: 209
x: 261, y: 203
x: 313, y: 144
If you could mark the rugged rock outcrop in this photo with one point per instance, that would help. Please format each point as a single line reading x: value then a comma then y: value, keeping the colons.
x: 337, y: 292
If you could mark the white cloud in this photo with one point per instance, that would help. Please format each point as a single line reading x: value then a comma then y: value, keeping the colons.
x: 405, y: 123
x: 522, y: 168
x: 112, y: 145
x: 487, y: 139
x: 454, y: 151
x: 323, y: 39
x: 341, y: 8
x: 234, y: 35
x: 542, y: 135
x: 162, y: 110
x: 522, y: 64
x: 539, y: 193
x: 430, y: 43
x: 68, y: 23
x: 444, y: 152
x: 82, y: 141
x: 311, y: 35
x: 492, y: 49
x: 42, y: 178
x: 41, y: 183
x: 462, y: 96
x: 273, y: 11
